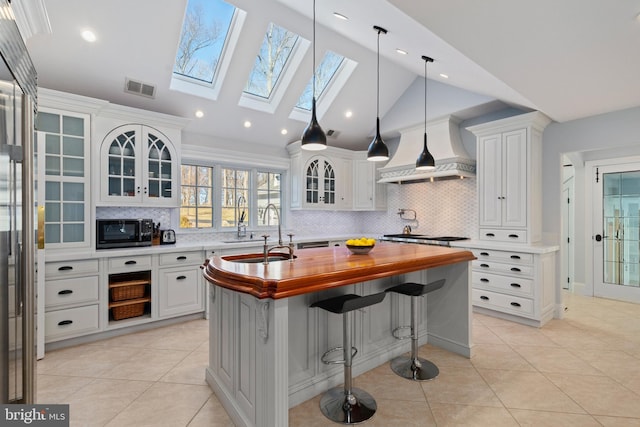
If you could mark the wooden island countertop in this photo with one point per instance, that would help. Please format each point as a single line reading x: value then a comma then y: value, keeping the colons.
x: 318, y: 269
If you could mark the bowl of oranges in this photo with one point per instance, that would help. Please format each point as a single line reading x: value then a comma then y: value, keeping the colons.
x: 361, y: 246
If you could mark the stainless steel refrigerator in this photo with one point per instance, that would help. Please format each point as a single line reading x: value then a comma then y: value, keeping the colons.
x: 17, y: 216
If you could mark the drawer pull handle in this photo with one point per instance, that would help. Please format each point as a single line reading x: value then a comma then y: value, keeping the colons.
x: 181, y: 258
x: 515, y: 256
x: 65, y: 292
x: 515, y: 304
x: 513, y: 236
x: 65, y: 322
x: 131, y: 262
x: 65, y: 268
x: 482, y: 297
x: 484, y: 253
x: 484, y: 279
x: 484, y: 265
x: 181, y: 277
x: 516, y: 269
x: 490, y: 235
x: 516, y: 285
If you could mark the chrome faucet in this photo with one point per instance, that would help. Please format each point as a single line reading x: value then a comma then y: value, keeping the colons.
x: 266, y: 248
x: 264, y: 217
x: 242, y: 228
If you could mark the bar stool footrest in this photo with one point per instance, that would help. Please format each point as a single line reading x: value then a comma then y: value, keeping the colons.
x: 339, y: 407
x: 325, y: 355
x: 417, y: 369
x: 396, y: 333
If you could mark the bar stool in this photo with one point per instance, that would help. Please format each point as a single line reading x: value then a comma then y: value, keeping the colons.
x: 413, y: 367
x: 348, y: 405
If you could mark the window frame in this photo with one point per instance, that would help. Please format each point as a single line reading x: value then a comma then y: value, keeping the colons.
x: 213, y: 195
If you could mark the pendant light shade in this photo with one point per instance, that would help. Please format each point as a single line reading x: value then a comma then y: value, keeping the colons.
x: 378, y: 150
x: 425, y: 160
x: 313, y: 137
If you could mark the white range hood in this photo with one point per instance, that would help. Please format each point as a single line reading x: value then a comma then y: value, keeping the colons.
x: 444, y: 144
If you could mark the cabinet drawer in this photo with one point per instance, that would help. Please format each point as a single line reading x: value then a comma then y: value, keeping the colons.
x: 182, y: 258
x: 502, y: 235
x: 71, y: 291
x: 503, y: 256
x: 129, y: 263
x: 53, y: 270
x: 512, y: 285
x: 515, y: 270
x: 71, y: 322
x: 501, y: 302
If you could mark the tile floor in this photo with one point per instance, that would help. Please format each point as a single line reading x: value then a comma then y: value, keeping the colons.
x: 582, y: 371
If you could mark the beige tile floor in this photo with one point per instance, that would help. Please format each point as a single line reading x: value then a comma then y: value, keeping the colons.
x: 583, y: 370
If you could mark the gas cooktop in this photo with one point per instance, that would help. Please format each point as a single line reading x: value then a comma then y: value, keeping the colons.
x: 422, y: 239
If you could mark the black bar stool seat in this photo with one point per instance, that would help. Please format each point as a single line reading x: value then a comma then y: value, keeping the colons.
x: 413, y: 367
x: 347, y: 405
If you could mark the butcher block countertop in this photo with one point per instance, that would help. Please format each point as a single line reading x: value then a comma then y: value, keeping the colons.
x: 324, y: 268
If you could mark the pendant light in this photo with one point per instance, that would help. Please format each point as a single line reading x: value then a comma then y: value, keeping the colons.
x: 378, y: 150
x: 313, y: 137
x: 425, y: 160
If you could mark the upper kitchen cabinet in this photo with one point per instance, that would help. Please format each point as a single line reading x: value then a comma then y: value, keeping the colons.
x: 63, y: 147
x: 320, y: 181
x: 509, y: 170
x: 368, y: 194
x: 139, y: 159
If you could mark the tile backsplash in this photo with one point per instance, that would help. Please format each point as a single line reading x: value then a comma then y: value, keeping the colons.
x: 447, y: 207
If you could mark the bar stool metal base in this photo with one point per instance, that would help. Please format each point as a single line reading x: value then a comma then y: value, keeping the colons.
x: 339, y: 407
x: 417, y: 369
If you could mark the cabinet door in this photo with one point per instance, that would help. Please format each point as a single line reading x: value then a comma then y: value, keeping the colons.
x: 63, y: 154
x: 120, y: 164
x: 364, y: 185
x: 514, y: 158
x: 490, y: 180
x: 320, y: 180
x: 160, y: 177
x: 181, y: 291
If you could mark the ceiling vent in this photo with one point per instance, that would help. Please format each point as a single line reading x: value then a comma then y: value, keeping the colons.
x: 333, y: 133
x: 139, y: 88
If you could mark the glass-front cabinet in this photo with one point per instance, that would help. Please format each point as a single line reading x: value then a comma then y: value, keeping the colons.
x: 139, y: 166
x: 63, y: 149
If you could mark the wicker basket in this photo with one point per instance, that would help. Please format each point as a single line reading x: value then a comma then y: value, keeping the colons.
x: 122, y: 293
x: 126, y: 311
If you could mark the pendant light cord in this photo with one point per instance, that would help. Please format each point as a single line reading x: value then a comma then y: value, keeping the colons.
x: 313, y: 94
x: 378, y: 80
x: 425, y: 96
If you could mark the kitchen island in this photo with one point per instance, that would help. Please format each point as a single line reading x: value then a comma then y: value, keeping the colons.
x: 265, y: 342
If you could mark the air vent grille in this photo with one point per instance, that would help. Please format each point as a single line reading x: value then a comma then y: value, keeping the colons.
x: 333, y: 133
x: 139, y: 88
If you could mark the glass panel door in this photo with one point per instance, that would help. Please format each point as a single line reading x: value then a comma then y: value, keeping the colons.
x: 617, y: 273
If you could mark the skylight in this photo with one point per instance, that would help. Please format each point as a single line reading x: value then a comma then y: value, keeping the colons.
x: 275, y: 51
x: 324, y: 74
x: 210, y: 30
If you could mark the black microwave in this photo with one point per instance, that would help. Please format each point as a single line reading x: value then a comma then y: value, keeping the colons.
x: 123, y: 233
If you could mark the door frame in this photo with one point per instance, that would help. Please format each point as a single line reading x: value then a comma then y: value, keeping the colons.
x: 590, y: 230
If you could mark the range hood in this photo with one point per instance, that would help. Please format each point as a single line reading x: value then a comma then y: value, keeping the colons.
x: 444, y: 144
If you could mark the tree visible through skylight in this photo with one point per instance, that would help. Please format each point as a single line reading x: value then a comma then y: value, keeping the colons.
x: 324, y: 73
x: 204, y: 32
x: 271, y: 60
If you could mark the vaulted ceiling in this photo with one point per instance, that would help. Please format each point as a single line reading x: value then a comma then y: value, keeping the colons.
x: 569, y: 59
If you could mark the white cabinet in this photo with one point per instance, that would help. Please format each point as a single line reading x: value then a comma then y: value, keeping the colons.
x: 72, y: 297
x: 509, y: 170
x: 181, y: 285
x: 367, y: 193
x: 515, y: 284
x: 139, y: 165
x: 336, y: 179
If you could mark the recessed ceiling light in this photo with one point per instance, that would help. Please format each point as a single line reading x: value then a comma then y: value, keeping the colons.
x: 638, y: 17
x: 247, y: 124
x: 199, y: 114
x: 340, y: 16
x: 89, y: 36
x: 284, y: 131
x: 401, y: 51
x: 348, y: 113
x: 444, y: 76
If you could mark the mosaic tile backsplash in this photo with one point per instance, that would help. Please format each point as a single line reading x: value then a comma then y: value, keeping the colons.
x: 446, y: 207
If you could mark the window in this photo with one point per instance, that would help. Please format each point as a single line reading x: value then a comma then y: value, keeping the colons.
x: 235, y: 194
x: 268, y: 191
x: 196, y: 210
x: 324, y: 74
x: 274, y: 54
